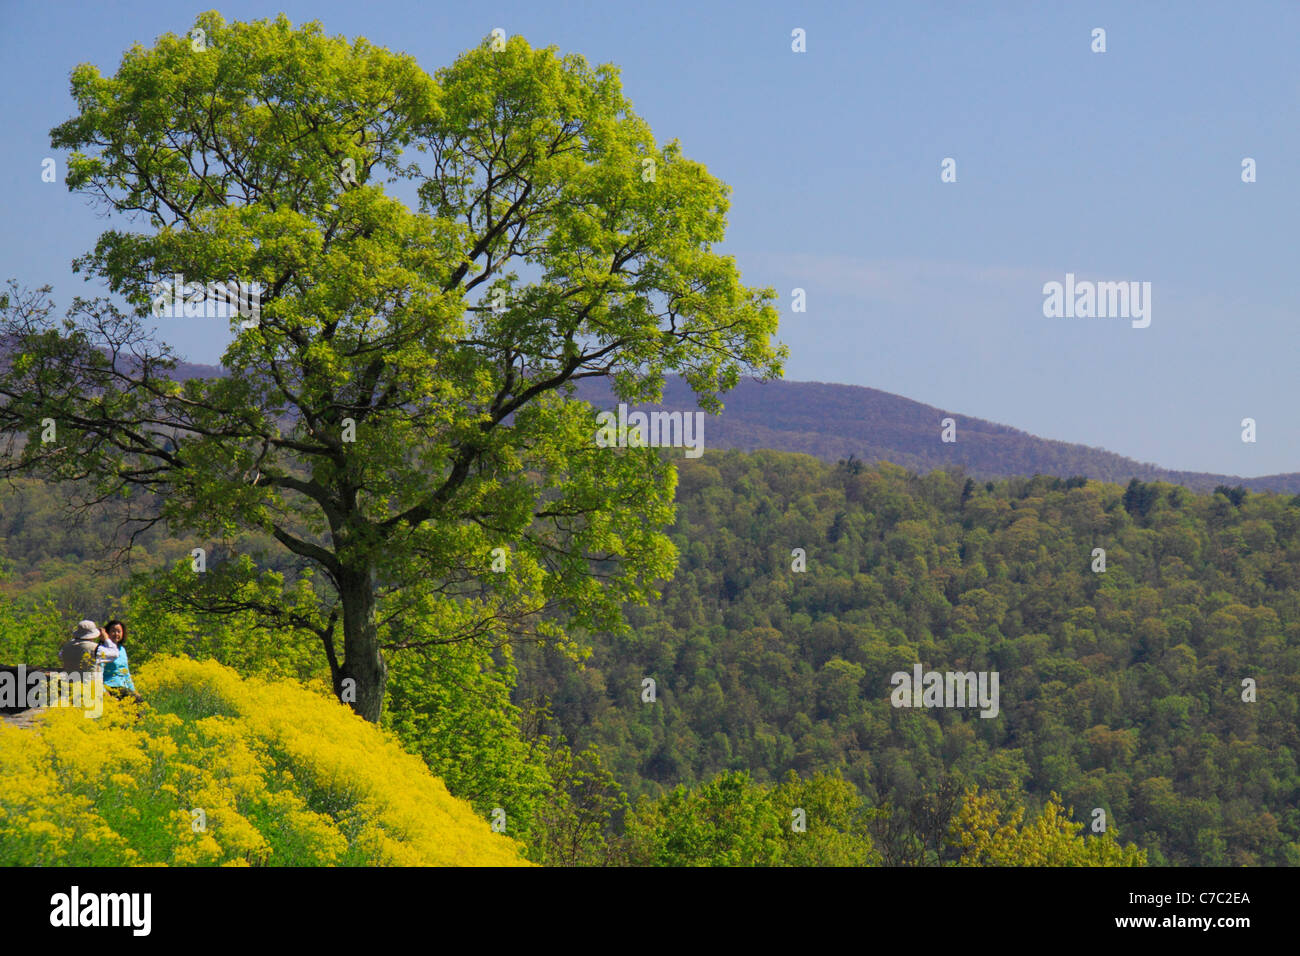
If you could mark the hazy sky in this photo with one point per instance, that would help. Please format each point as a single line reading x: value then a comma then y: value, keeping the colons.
x: 1122, y: 165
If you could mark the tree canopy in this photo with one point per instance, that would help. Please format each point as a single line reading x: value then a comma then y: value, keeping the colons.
x: 425, y: 264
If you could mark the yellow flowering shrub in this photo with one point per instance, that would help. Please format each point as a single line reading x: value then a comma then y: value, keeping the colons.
x: 216, y: 769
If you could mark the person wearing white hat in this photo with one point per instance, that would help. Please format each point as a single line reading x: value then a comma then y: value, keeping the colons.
x: 77, y: 655
x: 83, y: 653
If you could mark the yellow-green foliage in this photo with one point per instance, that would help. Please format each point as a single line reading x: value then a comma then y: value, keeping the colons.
x: 285, y: 776
x: 990, y: 834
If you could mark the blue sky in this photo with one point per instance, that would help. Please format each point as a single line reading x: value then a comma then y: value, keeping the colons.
x: 1123, y: 165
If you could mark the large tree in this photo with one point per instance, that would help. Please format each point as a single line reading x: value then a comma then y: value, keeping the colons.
x: 398, y: 411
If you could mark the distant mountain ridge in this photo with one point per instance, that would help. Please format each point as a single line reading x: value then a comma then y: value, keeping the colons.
x: 831, y: 422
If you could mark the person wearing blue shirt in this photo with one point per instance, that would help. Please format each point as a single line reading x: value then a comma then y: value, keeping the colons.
x: 117, y: 673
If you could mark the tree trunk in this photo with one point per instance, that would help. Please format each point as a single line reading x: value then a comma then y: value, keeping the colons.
x: 364, y: 675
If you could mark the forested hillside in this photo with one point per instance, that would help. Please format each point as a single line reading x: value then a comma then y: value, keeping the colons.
x: 1120, y: 690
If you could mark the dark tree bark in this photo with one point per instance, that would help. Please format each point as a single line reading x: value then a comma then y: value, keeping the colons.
x: 363, y: 661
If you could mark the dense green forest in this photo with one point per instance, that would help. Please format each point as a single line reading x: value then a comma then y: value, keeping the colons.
x: 1121, y: 690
